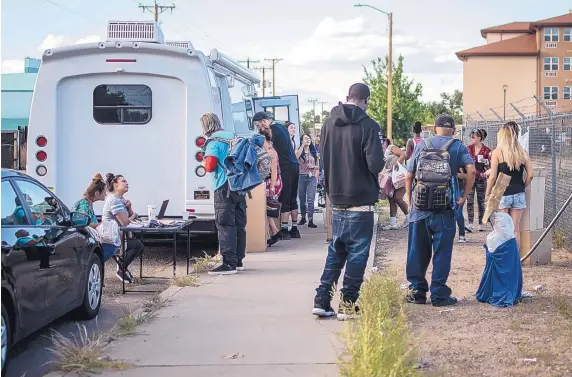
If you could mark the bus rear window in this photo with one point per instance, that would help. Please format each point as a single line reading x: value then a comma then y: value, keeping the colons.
x: 122, y: 104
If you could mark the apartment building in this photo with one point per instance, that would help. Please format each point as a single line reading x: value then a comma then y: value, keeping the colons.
x: 520, y: 60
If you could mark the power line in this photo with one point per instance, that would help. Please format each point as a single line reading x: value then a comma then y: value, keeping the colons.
x: 69, y: 10
x: 156, y: 9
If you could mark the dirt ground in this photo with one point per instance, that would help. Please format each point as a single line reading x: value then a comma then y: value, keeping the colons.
x: 533, y: 339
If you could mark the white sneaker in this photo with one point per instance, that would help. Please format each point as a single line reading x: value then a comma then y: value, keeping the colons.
x: 462, y: 239
x: 481, y: 228
x: 391, y: 227
x: 470, y: 228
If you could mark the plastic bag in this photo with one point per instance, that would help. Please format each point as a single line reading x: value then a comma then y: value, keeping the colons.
x: 503, y: 230
x: 398, y: 176
x: 109, y: 232
x: 385, y: 185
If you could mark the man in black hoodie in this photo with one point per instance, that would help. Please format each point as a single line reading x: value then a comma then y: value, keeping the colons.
x: 352, y: 158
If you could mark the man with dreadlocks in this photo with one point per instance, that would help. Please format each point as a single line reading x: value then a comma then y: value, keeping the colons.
x: 230, y: 206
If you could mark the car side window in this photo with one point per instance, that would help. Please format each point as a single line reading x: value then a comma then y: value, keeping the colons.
x: 13, y: 212
x: 44, y: 206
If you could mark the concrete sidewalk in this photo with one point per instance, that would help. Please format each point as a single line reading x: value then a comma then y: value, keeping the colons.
x: 262, y: 316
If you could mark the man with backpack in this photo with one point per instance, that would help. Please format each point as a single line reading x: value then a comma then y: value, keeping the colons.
x: 433, y: 198
x: 289, y: 172
x: 230, y: 206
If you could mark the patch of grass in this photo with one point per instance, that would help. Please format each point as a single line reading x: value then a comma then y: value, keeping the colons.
x: 127, y: 326
x: 187, y: 281
x: 558, y: 239
x: 204, y: 264
x: 153, y: 304
x: 377, y: 344
x: 82, y: 354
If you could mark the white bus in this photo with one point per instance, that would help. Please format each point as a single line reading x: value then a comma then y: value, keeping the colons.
x: 131, y: 106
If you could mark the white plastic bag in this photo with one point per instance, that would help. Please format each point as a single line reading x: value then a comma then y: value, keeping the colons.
x: 398, y: 176
x: 109, y: 232
x: 503, y: 230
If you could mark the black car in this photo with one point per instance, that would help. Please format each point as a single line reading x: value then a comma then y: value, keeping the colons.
x: 51, y: 265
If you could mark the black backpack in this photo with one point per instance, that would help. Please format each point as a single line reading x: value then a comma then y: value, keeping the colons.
x: 432, y: 191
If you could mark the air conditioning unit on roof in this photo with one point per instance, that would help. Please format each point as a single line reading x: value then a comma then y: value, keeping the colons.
x: 183, y: 44
x: 135, y: 31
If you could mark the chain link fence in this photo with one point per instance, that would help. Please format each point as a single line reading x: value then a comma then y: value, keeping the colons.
x: 550, y: 147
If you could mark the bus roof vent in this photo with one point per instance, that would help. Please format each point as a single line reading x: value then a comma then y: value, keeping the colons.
x: 135, y: 31
x: 183, y: 44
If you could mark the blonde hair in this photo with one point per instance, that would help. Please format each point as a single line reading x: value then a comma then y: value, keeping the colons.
x: 210, y: 123
x: 512, y: 152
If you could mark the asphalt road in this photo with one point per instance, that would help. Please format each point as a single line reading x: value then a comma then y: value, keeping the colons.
x: 31, y: 357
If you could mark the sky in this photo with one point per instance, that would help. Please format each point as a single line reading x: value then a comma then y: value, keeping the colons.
x: 324, y: 44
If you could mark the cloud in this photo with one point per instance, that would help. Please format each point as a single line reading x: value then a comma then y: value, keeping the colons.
x: 13, y: 66
x: 53, y: 41
x: 328, y: 61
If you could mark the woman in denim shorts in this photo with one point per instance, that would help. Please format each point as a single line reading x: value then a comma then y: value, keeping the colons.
x: 511, y: 159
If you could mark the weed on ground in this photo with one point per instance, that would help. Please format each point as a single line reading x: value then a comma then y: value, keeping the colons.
x: 377, y: 344
x: 187, y: 281
x: 82, y: 353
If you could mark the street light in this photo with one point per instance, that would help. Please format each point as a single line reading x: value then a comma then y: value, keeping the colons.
x: 505, y: 87
x: 389, y: 66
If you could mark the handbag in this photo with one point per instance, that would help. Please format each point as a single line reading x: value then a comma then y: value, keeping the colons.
x: 273, y: 207
x: 109, y: 232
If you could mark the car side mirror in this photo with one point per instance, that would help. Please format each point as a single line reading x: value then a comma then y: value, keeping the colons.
x: 79, y: 220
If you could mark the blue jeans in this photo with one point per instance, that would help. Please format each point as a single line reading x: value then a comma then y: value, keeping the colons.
x: 460, y: 217
x: 351, y: 239
x: 307, y: 194
x: 433, y: 236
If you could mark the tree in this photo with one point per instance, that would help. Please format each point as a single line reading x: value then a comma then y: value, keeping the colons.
x: 450, y: 104
x: 308, y: 121
x: 407, y: 106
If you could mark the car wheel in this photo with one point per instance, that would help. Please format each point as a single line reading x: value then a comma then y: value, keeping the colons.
x: 93, y: 285
x: 6, y: 339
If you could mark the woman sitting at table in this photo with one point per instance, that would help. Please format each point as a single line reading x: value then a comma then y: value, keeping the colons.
x: 117, y: 208
x: 95, y: 192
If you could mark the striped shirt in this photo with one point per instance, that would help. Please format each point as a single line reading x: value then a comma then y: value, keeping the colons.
x: 112, y: 206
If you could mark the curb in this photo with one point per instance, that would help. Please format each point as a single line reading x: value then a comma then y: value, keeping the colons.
x: 167, y: 294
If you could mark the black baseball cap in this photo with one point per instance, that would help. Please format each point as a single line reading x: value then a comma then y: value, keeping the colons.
x: 262, y: 115
x: 445, y: 120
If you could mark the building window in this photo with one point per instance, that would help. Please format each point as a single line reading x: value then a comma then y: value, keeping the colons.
x: 551, y: 34
x: 122, y: 104
x: 567, y: 64
x: 566, y: 92
x: 550, y: 92
x: 551, y: 64
x: 567, y: 34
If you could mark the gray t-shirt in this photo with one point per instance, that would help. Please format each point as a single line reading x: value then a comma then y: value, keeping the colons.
x: 112, y: 206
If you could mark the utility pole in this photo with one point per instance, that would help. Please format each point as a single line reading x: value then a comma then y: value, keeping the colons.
x: 263, y: 69
x: 248, y: 61
x: 389, y: 80
x: 274, y: 61
x: 313, y: 101
x: 322, y: 103
x: 156, y: 9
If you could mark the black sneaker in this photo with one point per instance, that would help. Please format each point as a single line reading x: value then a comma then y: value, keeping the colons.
x: 311, y: 224
x: 348, y: 311
x: 294, y: 233
x: 123, y: 277
x: 285, y: 235
x: 302, y: 221
x: 322, y: 310
x: 412, y: 299
x: 447, y: 302
x: 223, y: 269
x: 239, y: 266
